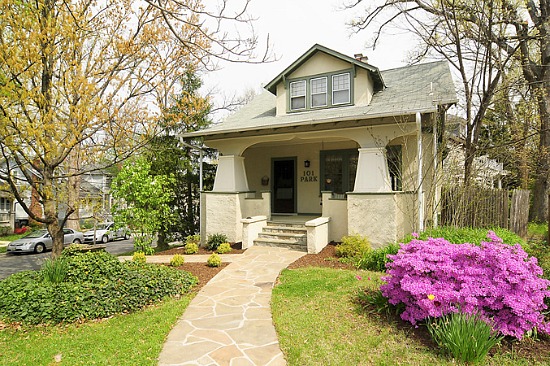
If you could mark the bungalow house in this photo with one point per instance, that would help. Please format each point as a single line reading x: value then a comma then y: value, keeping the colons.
x: 332, y: 147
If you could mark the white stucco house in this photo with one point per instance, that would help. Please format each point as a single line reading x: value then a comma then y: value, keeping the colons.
x: 332, y: 147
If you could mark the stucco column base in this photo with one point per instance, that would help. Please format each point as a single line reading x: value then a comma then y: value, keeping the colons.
x: 372, y: 171
x: 230, y: 175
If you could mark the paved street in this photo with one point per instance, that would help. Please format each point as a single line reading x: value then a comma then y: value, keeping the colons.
x: 10, y: 263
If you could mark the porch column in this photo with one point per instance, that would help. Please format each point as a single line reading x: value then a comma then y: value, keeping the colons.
x: 372, y: 171
x: 230, y: 175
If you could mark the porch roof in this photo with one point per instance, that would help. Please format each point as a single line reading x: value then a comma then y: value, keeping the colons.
x: 411, y: 89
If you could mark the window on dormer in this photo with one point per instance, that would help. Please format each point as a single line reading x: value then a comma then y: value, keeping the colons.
x: 318, y: 92
x: 298, y: 95
x: 341, y: 90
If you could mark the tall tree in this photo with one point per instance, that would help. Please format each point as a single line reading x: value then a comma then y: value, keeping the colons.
x: 460, y: 31
x: 188, y: 111
x: 520, y: 29
x: 85, y: 78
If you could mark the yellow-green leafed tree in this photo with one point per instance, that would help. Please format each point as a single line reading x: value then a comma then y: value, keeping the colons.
x: 83, y: 82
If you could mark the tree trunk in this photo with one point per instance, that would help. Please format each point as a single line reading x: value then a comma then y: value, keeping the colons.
x: 162, y: 243
x: 540, y: 190
x: 73, y: 191
x: 50, y: 214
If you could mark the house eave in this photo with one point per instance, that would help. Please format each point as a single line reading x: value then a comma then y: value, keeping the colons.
x: 314, y: 124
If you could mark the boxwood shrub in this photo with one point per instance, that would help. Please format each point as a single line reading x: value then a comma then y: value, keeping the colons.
x: 97, y: 285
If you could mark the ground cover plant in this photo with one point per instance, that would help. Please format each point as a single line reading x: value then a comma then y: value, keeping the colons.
x: 88, y: 285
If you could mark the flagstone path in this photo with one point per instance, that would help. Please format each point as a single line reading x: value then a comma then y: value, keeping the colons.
x: 229, y: 321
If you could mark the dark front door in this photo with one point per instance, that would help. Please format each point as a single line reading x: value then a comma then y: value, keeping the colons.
x: 284, y: 186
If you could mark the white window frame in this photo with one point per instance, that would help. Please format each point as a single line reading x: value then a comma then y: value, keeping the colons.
x: 298, y: 95
x: 314, y: 94
x: 339, y: 90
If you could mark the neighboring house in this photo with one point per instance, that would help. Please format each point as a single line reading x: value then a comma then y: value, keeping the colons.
x: 95, y: 199
x: 333, y: 142
x: 486, y: 172
x: 6, y: 210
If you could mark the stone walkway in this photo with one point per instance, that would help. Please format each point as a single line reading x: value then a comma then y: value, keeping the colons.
x: 229, y: 321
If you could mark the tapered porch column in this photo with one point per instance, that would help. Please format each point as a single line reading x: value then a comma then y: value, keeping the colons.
x: 230, y: 175
x: 372, y: 171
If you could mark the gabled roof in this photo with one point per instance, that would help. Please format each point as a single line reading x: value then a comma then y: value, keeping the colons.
x: 419, y: 88
x: 375, y: 73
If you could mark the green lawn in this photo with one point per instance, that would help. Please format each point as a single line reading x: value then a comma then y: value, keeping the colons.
x: 13, y: 237
x: 133, y: 339
x: 319, y: 324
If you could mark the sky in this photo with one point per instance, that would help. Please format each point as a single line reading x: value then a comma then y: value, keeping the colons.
x: 293, y: 27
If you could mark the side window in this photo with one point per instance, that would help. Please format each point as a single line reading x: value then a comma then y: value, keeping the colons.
x: 394, y: 157
x: 298, y: 95
x: 338, y: 170
x: 67, y: 231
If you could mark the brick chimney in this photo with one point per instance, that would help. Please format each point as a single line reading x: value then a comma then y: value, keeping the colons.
x: 360, y: 57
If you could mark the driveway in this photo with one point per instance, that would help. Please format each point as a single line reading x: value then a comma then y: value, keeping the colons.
x: 13, y: 263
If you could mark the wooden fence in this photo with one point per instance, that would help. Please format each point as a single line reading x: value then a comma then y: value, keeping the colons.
x: 479, y: 207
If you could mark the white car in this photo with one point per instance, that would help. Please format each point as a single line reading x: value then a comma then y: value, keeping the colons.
x: 105, y: 233
x: 40, y: 240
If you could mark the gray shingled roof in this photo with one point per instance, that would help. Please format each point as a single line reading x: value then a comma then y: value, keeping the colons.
x: 411, y: 89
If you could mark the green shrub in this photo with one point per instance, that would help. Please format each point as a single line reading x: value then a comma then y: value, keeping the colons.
x: 89, y: 266
x: 214, y: 260
x: 177, y: 260
x: 215, y: 240
x: 224, y: 248
x: 142, y: 243
x: 96, y: 286
x: 5, y: 230
x: 191, y: 248
x: 195, y: 239
x: 54, y: 270
x: 139, y: 258
x: 73, y: 249
x: 465, y: 336
x: 376, y: 259
x: 353, y: 246
x: 467, y: 235
x: 538, y: 229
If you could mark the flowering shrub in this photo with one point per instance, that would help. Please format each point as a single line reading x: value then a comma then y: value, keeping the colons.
x: 500, y: 282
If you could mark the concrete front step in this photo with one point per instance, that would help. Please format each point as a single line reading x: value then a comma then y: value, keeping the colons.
x: 279, y: 243
x: 284, y: 229
x: 298, y: 238
x: 287, y: 224
x: 290, y: 235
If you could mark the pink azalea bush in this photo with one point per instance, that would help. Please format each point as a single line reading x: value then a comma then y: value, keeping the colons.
x: 500, y: 282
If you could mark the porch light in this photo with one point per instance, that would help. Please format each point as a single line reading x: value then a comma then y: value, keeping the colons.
x: 306, y: 163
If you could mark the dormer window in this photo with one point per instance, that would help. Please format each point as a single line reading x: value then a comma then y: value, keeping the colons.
x: 298, y: 95
x: 341, y: 92
x: 320, y: 91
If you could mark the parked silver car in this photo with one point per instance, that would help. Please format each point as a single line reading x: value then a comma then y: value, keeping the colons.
x: 106, y: 232
x: 40, y: 240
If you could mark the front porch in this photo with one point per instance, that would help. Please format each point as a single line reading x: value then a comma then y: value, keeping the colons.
x: 334, y: 182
